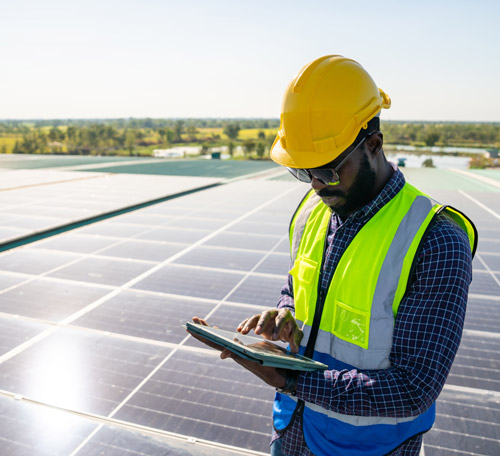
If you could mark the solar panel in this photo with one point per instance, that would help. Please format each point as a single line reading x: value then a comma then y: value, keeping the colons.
x: 206, y: 397
x: 28, y: 429
x: 145, y: 315
x: 50, y: 300
x: 79, y: 371
x: 260, y: 290
x: 466, y: 423
x: 194, y: 282
x: 223, y: 258
x: 91, y: 321
x: 33, y: 201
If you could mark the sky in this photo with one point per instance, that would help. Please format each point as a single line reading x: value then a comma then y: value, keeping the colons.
x: 438, y: 60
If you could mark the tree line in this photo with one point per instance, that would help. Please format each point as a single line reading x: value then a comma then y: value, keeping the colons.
x: 108, y: 139
x: 442, y: 133
x: 141, y: 136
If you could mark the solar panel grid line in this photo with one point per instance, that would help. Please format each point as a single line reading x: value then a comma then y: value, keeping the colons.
x: 114, y: 258
x: 104, y: 448
x: 484, y: 296
x: 220, y: 393
x: 476, y: 349
x: 257, y: 174
x: 184, y: 297
x: 104, y: 165
x: 9, y: 442
x: 257, y: 235
x: 463, y: 419
x: 466, y: 377
x: 239, y: 249
x: 29, y: 278
x: 478, y: 369
x: 484, y: 333
x: 481, y: 354
x: 230, y: 271
x: 476, y: 406
x: 486, y: 238
x: 44, y: 184
x: 492, y: 274
x: 452, y: 451
x: 485, y: 271
x: 111, y: 334
x: 28, y: 344
x: 491, y: 254
x: 479, y: 437
x: 472, y: 332
x: 214, y: 407
x: 231, y: 428
x: 481, y: 205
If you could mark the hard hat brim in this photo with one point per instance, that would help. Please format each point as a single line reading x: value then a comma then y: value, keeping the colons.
x: 298, y: 160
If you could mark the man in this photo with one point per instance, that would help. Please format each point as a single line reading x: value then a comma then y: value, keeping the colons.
x: 378, y: 285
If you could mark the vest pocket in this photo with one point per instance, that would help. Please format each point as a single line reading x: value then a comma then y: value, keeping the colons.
x: 351, y: 325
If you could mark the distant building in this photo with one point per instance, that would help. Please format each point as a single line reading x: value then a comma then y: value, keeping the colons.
x: 493, y: 153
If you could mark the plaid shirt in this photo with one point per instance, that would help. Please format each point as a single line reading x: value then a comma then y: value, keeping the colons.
x: 426, y: 335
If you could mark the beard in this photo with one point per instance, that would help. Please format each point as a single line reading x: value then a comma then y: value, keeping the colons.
x: 358, y: 195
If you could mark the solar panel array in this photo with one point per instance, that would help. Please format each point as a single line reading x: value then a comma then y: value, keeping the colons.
x: 100, y: 308
x: 93, y: 358
x: 33, y: 201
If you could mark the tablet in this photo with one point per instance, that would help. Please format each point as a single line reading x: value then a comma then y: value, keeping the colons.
x: 256, y: 349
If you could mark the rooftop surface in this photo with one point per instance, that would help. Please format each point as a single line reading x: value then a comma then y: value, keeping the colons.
x: 102, y: 260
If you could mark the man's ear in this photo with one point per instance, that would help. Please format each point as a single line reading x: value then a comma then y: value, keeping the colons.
x: 374, y: 143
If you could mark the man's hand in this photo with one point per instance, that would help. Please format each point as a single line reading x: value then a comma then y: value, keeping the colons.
x: 211, y: 344
x: 274, y: 325
x: 271, y: 375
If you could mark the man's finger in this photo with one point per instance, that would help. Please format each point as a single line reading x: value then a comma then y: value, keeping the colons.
x: 206, y: 341
x: 250, y: 324
x: 226, y: 354
x: 279, y: 325
x: 242, y: 324
x: 265, y: 323
x: 295, y: 340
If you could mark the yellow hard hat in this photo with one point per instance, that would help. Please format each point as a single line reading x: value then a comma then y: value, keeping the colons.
x: 324, y: 108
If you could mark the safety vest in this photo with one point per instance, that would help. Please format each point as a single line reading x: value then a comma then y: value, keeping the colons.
x: 356, y: 317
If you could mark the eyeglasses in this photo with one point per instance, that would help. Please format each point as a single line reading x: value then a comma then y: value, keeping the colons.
x: 327, y: 174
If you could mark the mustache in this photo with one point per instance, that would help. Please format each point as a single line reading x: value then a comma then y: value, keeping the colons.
x: 326, y: 192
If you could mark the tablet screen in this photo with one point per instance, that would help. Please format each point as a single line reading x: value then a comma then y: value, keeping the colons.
x: 258, y: 347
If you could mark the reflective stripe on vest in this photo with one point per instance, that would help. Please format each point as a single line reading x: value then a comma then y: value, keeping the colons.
x: 357, y: 321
